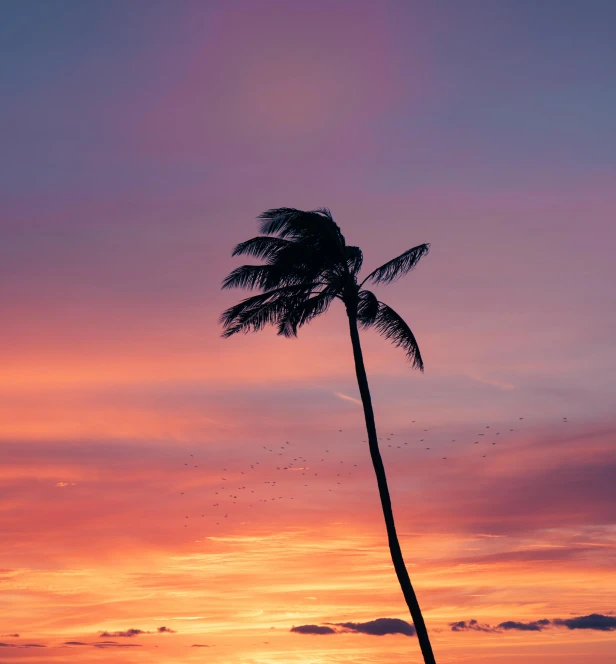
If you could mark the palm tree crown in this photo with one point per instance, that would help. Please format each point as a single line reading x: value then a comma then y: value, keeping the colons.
x: 307, y: 266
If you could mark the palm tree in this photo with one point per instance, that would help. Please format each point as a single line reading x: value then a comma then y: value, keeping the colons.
x: 307, y: 266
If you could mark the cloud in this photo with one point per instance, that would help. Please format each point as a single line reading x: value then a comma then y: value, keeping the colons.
x: 531, y: 490
x: 380, y: 627
x: 128, y: 633
x: 13, y: 636
x: 115, y: 644
x: 199, y: 645
x: 25, y: 645
x: 474, y: 626
x: 105, y: 644
x: 346, y: 397
x: 166, y: 630
x: 531, y: 554
x: 470, y: 625
x: 313, y: 629
x: 501, y: 384
x: 595, y: 621
x: 535, y: 626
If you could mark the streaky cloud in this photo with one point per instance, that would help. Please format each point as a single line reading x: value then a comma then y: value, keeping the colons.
x: 129, y: 633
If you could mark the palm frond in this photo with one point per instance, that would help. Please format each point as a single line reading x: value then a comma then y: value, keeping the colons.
x: 262, y: 246
x: 354, y: 258
x: 367, y: 308
x: 247, y: 276
x: 300, y: 254
x: 278, y: 221
x: 399, y: 266
x: 303, y: 312
x: 250, y: 303
x: 299, y: 224
x: 253, y: 313
x: 393, y: 327
x: 256, y: 319
x: 267, y: 277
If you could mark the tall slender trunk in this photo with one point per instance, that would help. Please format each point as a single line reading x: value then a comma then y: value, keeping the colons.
x: 379, y: 469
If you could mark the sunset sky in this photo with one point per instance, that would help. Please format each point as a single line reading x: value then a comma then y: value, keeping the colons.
x: 139, y: 141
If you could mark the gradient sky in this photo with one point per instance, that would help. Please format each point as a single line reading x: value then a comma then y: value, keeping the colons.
x: 139, y: 141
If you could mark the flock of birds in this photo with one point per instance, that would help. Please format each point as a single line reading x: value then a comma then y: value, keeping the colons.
x: 283, y: 460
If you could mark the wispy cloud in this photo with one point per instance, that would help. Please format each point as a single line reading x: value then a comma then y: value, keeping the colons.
x: 126, y: 633
x: 346, y: 397
x: 500, y: 384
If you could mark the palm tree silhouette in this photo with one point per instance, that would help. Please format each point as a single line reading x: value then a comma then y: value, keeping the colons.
x: 307, y: 266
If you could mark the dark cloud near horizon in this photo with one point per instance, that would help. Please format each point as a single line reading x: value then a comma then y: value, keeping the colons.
x: 378, y: 627
x: 22, y: 645
x: 470, y: 625
x: 508, y: 625
x: 166, y: 630
x: 313, y: 629
x: 534, y: 626
x: 595, y: 621
x: 200, y: 645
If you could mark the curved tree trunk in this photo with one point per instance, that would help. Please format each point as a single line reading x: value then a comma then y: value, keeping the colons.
x: 379, y: 469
